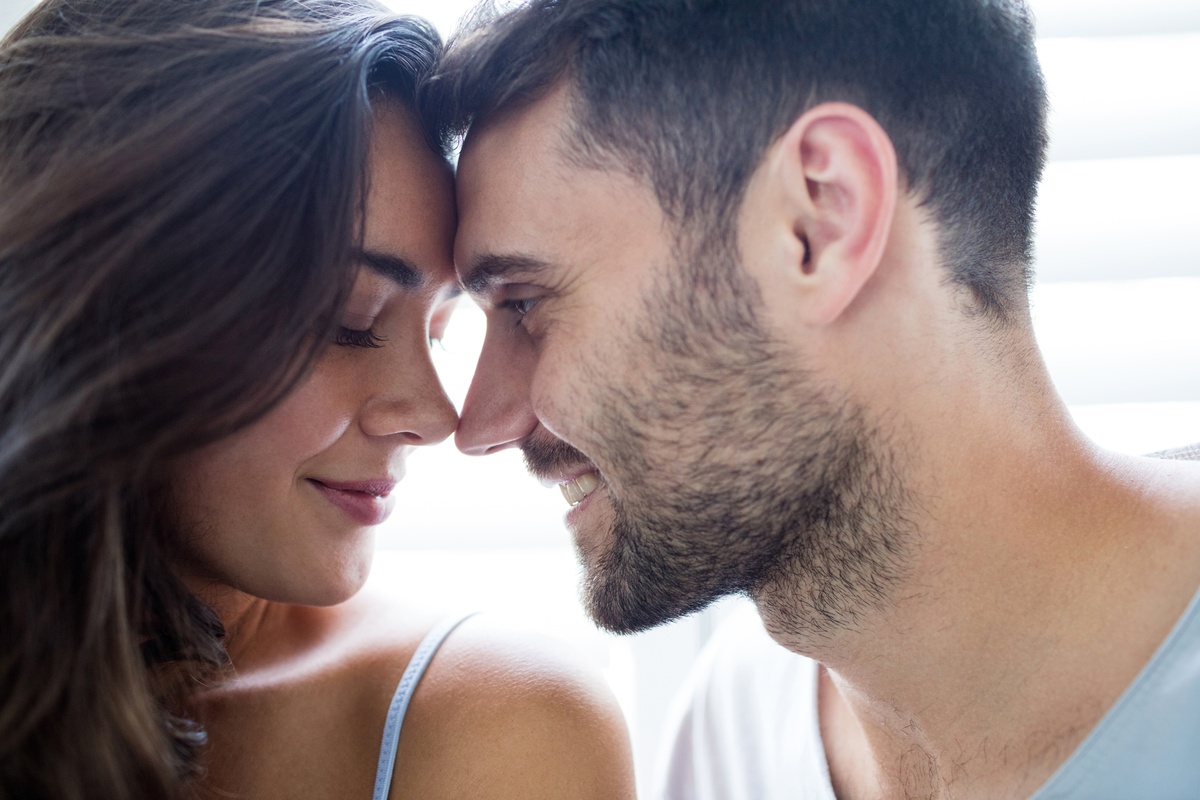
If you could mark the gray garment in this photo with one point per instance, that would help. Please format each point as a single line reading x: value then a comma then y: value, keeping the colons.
x: 1147, y: 747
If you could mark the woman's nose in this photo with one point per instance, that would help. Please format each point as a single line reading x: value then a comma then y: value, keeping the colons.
x: 411, y: 403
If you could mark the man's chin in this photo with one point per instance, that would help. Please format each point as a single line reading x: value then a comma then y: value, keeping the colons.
x: 638, y: 575
x: 632, y: 600
x: 620, y: 619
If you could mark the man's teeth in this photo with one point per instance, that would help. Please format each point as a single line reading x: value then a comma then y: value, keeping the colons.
x: 579, y: 488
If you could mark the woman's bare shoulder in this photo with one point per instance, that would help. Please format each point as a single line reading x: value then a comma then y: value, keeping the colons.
x: 505, y: 712
x: 302, y: 712
x: 502, y: 712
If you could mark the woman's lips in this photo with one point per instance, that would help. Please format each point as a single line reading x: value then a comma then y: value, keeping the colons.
x: 365, y: 502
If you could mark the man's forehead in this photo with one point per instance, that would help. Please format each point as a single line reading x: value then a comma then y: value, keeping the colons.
x: 511, y: 168
x: 532, y: 134
x: 526, y: 198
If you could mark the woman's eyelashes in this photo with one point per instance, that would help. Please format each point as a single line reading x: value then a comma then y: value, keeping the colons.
x: 361, y: 322
x: 353, y: 337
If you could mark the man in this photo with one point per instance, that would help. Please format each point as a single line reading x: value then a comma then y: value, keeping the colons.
x: 756, y: 276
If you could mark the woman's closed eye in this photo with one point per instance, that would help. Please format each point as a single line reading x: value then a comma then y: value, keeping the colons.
x: 354, y: 337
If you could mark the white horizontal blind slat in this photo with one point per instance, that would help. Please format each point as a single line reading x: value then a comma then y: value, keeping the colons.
x: 1123, y: 97
x: 1114, y: 17
x: 1117, y: 219
x: 1121, y: 341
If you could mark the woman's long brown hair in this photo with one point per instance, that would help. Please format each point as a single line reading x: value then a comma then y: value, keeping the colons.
x: 181, y: 187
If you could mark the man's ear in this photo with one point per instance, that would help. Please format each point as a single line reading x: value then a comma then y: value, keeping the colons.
x: 837, y: 179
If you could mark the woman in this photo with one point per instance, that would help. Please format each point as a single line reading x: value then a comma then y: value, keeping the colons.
x: 224, y: 244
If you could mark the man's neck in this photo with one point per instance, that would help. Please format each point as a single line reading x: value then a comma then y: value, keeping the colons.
x: 1023, y: 618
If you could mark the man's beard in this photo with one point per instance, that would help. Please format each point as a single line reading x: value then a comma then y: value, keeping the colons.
x: 730, y: 470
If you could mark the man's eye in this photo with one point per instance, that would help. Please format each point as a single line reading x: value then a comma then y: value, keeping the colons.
x: 520, y: 306
x: 351, y: 337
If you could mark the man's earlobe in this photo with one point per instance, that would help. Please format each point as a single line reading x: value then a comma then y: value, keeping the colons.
x: 840, y: 174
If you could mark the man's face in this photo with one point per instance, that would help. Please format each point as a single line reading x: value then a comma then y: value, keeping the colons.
x: 634, y: 369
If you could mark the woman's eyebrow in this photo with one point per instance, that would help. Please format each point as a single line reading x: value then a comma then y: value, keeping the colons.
x: 393, y: 268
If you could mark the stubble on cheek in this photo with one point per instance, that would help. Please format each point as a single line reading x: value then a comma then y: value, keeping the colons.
x: 731, y: 469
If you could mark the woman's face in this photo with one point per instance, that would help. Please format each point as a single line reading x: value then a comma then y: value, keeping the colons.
x: 284, y: 510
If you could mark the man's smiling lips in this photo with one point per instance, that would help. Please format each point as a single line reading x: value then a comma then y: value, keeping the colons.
x: 553, y: 462
x: 575, y: 488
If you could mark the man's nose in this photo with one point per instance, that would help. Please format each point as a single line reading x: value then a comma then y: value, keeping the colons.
x: 497, y: 413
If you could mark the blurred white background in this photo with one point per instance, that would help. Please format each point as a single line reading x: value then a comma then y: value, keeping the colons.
x: 1117, y: 309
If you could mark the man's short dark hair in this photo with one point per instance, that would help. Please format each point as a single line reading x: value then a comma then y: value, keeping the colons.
x: 689, y: 94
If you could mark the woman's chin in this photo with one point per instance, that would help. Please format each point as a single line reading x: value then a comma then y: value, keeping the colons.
x: 334, y: 589
x: 334, y: 584
x: 336, y: 596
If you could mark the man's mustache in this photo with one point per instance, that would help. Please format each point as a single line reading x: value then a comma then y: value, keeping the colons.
x: 550, y: 457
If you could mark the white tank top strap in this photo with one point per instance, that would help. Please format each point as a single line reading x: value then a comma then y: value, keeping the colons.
x: 408, y: 684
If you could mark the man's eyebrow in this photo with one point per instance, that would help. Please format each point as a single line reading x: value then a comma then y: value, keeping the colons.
x: 393, y: 268
x: 490, y: 269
